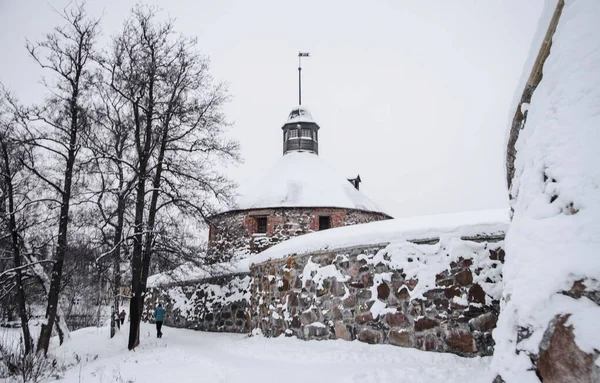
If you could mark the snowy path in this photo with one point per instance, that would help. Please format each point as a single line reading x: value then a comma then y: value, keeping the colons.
x: 191, y: 356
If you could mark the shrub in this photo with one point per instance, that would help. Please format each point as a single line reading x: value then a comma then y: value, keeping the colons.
x: 24, y: 368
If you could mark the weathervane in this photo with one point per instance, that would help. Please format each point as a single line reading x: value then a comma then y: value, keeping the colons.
x: 300, y: 55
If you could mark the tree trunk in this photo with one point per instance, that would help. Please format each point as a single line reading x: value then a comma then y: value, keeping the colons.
x: 63, y: 225
x: 12, y: 226
x: 136, y: 262
x: 152, y: 209
x: 61, y: 325
x: 137, y: 288
x: 115, y: 319
x: 99, y: 299
x: 117, y: 261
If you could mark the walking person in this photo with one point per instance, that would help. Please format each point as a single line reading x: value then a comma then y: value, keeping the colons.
x: 159, y: 316
x: 122, y: 316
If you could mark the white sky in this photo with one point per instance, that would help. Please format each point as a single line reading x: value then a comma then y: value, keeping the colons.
x: 413, y: 95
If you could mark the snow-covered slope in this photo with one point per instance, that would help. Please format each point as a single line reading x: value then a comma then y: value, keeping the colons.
x: 302, y: 179
x: 554, y: 238
x: 396, y: 230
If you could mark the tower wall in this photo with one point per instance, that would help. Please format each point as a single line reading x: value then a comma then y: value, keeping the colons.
x: 236, y: 232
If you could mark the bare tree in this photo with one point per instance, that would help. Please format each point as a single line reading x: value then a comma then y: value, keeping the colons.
x: 56, y: 128
x: 10, y: 167
x: 111, y: 147
x: 179, y: 133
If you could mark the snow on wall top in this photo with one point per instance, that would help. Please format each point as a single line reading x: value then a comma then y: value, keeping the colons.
x: 300, y: 114
x: 189, y: 271
x: 302, y: 179
x: 484, y: 222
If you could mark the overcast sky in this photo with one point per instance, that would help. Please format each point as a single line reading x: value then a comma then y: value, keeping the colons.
x: 413, y: 95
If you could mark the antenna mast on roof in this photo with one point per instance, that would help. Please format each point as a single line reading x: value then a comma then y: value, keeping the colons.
x: 300, y: 55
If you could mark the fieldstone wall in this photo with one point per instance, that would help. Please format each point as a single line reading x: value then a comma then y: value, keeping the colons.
x: 437, y: 295
x: 218, y: 304
x: 235, y: 232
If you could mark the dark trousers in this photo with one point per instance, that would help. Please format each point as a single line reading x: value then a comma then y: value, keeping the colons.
x: 158, y: 327
x: 122, y: 320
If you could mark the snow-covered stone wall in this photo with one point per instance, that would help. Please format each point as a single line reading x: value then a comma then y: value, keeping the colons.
x: 234, y: 233
x: 437, y: 294
x: 211, y: 304
x: 548, y: 327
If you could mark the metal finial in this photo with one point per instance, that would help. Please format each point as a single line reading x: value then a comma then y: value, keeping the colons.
x: 300, y: 55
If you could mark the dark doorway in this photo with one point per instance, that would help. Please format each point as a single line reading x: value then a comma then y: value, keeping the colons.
x: 324, y: 222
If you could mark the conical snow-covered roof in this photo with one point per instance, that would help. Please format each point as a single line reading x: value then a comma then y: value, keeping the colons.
x: 303, y: 179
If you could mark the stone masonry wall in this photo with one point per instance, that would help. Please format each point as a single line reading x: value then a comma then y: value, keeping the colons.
x: 436, y: 296
x: 215, y: 304
x: 234, y: 232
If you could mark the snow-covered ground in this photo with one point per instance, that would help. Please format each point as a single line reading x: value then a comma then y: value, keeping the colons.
x: 191, y: 356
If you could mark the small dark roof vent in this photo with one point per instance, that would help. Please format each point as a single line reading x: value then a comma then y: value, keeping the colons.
x: 355, y: 182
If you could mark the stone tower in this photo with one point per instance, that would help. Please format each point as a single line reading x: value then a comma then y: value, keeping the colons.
x: 299, y: 195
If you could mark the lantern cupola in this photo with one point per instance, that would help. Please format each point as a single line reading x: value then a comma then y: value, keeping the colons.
x: 300, y: 132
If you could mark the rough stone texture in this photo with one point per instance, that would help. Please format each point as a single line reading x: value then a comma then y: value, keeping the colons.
x: 397, y: 319
x: 234, y: 232
x: 425, y: 324
x: 402, y: 338
x: 433, y: 322
x: 465, y: 277
x: 341, y: 332
x: 476, y: 294
x: 219, y: 304
x: 461, y: 342
x: 364, y: 318
x: 485, y: 322
x: 561, y: 360
x: 383, y: 291
x: 370, y: 336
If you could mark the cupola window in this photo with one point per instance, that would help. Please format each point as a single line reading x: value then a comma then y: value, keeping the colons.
x: 307, y: 133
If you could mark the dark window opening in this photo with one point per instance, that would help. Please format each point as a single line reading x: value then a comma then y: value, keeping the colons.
x: 324, y: 222
x: 261, y: 225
